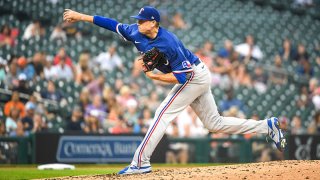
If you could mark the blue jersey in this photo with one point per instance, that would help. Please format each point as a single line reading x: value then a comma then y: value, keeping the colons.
x: 178, y: 57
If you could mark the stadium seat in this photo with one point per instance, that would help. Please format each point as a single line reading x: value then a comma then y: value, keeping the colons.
x: 218, y: 20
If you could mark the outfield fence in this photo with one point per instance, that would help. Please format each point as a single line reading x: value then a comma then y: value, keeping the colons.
x: 51, y: 148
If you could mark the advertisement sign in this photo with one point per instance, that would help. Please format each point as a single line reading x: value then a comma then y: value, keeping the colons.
x: 304, y: 147
x: 95, y: 149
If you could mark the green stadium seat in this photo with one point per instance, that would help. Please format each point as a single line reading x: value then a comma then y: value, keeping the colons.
x: 268, y: 23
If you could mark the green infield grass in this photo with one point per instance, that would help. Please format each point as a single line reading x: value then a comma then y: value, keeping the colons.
x: 12, y: 172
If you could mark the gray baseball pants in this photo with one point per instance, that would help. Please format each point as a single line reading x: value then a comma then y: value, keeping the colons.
x: 196, y: 93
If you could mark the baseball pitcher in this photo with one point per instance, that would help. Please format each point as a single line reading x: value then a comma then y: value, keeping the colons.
x: 164, y: 51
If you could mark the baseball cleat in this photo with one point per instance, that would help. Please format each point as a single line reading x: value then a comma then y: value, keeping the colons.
x: 135, y: 170
x: 275, y: 133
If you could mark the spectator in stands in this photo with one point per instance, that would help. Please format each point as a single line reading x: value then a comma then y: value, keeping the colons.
x: 136, y: 72
x: 3, y: 67
x: 52, y: 93
x: 7, y: 37
x: 58, y: 34
x: 241, y: 77
x: 64, y: 71
x: 2, y: 128
x: 12, y: 120
x: 33, y: 30
x: 227, y: 49
x: 144, y: 121
x: 26, y: 68
x: 287, y: 52
x: 313, y: 84
x: 115, y: 110
x: 39, y: 124
x: 222, y: 71
x: 84, y: 75
x: 284, y: 123
x: 303, y: 3
x: 228, y: 53
x: 316, y: 98
x: 249, y: 50
x: 96, y: 86
x: 260, y: 79
x: 206, y: 53
x: 136, y: 82
x: 302, y: 54
x: 12, y: 76
x: 178, y: 22
x: 14, y: 103
x: 62, y: 56
x: 187, y: 124
x: 305, y: 69
x: 125, y: 96
x: 118, y: 84
x: 119, y: 128
x: 38, y: 64
x: 50, y: 72
x: 35, y: 99
x: 303, y: 100
x: 153, y: 101
x: 19, y: 132
x: 84, y: 99
x: 23, y: 86
x: 108, y: 95
x: 110, y: 60
x: 314, y: 126
x: 131, y: 114
x: 278, y: 74
x: 318, y: 55
x: 231, y: 101
x: 76, y: 121
x: 177, y: 152
x: 314, y: 91
x: 96, y: 109
x: 139, y: 127
x: 27, y: 120
x: 92, y: 123
x: 296, y: 126
x: 71, y: 30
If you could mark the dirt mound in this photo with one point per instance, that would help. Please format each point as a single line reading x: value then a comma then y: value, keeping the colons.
x: 268, y: 170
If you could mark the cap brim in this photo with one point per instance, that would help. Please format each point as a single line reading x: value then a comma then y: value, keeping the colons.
x: 139, y: 17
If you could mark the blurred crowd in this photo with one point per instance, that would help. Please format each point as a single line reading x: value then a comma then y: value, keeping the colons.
x: 117, y: 107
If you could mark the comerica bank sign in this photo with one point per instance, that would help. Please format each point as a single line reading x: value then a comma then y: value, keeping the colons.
x: 97, y: 149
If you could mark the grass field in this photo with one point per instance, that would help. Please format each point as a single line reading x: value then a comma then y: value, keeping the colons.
x: 31, y: 172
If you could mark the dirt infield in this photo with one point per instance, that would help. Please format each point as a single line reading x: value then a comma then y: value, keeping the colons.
x: 269, y: 170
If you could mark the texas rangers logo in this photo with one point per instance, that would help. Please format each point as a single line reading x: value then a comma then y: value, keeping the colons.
x: 141, y: 10
x: 167, y: 62
x: 186, y: 64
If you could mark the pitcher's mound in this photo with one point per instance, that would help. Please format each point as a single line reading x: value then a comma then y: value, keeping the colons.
x: 269, y: 170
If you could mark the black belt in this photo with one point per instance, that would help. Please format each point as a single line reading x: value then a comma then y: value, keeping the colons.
x: 196, y: 62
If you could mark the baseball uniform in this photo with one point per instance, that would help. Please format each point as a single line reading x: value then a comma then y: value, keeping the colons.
x: 193, y: 88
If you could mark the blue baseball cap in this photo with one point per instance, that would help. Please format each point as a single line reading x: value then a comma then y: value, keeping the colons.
x: 148, y: 13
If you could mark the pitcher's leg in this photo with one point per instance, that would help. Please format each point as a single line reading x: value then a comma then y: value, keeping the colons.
x: 206, y: 109
x: 177, y: 100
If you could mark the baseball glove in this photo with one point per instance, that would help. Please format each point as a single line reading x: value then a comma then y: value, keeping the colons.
x: 153, y: 59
